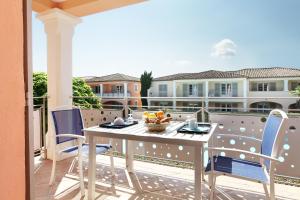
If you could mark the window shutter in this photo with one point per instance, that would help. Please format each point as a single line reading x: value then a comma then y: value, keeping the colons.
x: 272, y: 86
x: 234, y: 89
x: 185, y: 88
x: 114, y: 89
x: 200, y: 90
x: 217, y: 89
x: 253, y: 87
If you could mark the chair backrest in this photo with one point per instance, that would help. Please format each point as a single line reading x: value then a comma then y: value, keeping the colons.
x: 273, y: 127
x: 67, y: 121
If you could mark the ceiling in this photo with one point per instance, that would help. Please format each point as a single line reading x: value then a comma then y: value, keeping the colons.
x: 81, y: 8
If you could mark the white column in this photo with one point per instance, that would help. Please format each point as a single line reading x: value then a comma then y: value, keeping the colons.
x: 125, y: 90
x: 286, y: 85
x: 148, y: 95
x: 125, y: 100
x: 206, y: 95
x: 174, y: 95
x: 101, y: 90
x: 59, y: 28
x: 245, y: 94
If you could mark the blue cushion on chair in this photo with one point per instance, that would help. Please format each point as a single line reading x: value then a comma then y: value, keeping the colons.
x: 100, y: 148
x: 239, y: 168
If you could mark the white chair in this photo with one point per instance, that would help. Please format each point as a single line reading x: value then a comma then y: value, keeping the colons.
x: 68, y: 126
x: 261, y: 172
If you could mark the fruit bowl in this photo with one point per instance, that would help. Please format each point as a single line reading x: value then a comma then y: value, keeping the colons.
x: 152, y: 127
x: 156, y: 122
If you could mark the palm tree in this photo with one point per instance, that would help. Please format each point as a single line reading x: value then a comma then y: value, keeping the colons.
x: 146, y: 80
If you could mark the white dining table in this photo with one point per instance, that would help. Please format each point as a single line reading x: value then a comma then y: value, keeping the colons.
x: 139, y: 132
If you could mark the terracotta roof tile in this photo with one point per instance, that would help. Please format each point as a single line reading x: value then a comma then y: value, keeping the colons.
x: 112, y: 77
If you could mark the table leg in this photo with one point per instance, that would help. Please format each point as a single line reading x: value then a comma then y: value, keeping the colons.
x: 129, y: 156
x: 92, y: 168
x: 198, y: 171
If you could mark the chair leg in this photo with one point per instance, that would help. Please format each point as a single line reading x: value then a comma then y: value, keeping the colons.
x: 213, y: 185
x: 112, y: 165
x: 272, y: 190
x: 52, y: 177
x: 81, y: 177
x: 266, y: 191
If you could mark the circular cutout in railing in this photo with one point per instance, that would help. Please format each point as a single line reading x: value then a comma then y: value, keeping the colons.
x: 102, y: 112
x: 169, y: 155
x: 292, y: 128
x: 286, y: 154
x: 180, y: 148
x: 179, y: 116
x: 110, y: 113
x: 168, y: 115
x: 154, y: 146
x: 141, y: 144
x: 223, y: 154
x: 221, y: 126
x: 242, y: 129
x: 281, y: 159
x: 232, y: 142
x: 292, y: 166
x: 242, y: 122
x: 252, y: 149
x: 286, y: 146
x: 242, y: 156
x: 219, y: 137
x: 104, y: 118
x: 92, y: 119
x: 263, y: 119
x: 244, y: 143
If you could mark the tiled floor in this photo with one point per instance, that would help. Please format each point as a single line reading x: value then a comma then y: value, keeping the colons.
x: 151, y: 181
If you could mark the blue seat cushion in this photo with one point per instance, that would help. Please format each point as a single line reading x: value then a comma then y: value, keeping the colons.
x: 238, y: 168
x: 100, y: 149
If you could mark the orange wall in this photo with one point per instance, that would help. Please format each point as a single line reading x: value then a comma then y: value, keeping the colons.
x: 12, y: 101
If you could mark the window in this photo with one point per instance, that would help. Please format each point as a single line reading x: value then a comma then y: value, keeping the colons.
x: 136, y: 87
x: 120, y: 89
x: 97, y: 89
x: 226, y: 107
x: 262, y: 87
x: 192, y: 90
x: 163, y: 90
x: 226, y: 89
x: 135, y: 103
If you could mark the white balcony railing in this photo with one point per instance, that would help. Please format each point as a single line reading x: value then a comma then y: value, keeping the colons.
x: 248, y: 124
x: 113, y: 95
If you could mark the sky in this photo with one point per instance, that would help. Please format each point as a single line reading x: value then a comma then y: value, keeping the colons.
x: 175, y: 36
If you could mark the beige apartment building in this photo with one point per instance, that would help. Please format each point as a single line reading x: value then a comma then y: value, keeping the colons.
x: 255, y: 89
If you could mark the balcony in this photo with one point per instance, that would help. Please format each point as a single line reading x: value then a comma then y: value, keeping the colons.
x: 166, y: 171
x: 113, y: 95
x: 152, y: 181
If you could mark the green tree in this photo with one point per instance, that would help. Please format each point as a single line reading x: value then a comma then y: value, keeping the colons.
x: 82, y: 92
x: 39, y: 87
x: 146, y: 81
x: 296, y: 92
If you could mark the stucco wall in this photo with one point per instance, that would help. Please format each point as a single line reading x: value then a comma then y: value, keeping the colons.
x: 12, y: 101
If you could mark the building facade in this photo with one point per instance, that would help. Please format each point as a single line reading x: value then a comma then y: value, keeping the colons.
x: 252, y: 89
x: 117, y: 89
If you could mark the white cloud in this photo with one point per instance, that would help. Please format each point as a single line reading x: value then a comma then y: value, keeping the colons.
x: 226, y: 48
